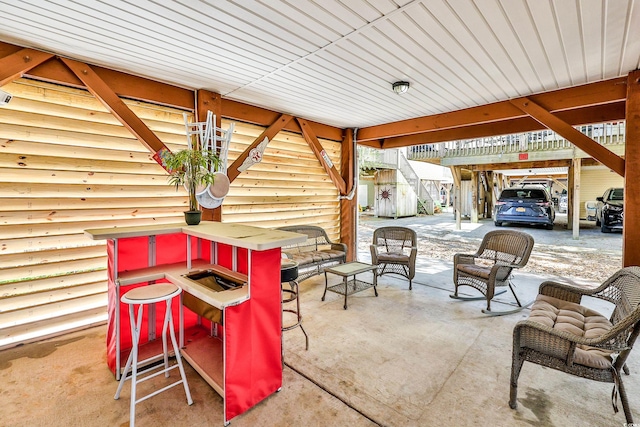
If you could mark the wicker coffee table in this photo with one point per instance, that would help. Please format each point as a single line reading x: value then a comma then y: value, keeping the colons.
x: 348, y: 287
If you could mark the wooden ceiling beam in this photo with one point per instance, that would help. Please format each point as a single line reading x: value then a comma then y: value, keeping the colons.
x: 592, y: 114
x: 322, y: 156
x: 115, y: 105
x: 605, y: 92
x: 14, y: 65
x: 580, y: 140
x: 520, y: 165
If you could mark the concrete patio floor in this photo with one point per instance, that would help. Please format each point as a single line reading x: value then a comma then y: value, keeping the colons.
x: 405, y: 358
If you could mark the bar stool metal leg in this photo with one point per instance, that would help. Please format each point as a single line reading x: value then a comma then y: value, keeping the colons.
x: 290, y: 295
x: 140, y: 297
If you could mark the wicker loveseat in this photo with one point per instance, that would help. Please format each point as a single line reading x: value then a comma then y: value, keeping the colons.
x: 316, y: 253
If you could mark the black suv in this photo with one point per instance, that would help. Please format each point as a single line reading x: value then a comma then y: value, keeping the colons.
x: 609, y: 212
x: 526, y: 205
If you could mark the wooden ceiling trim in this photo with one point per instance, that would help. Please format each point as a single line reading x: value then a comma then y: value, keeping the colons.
x: 269, y: 133
x: 115, y: 105
x: 592, y: 114
x: 605, y: 92
x: 580, y: 140
x: 14, y: 65
x: 311, y: 138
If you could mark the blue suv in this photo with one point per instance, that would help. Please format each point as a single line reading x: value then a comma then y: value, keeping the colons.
x: 526, y: 205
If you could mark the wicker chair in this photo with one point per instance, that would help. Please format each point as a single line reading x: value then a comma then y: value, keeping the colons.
x: 564, y: 335
x: 501, y: 251
x: 394, y: 251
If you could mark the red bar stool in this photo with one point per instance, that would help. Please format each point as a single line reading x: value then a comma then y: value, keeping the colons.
x: 148, y: 295
x: 289, y: 274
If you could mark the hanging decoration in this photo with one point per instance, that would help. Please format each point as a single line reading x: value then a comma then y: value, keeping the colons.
x: 255, y: 155
x: 211, y: 138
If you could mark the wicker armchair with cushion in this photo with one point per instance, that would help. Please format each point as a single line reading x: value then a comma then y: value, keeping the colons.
x: 562, y: 334
x: 500, y: 252
x: 394, y: 251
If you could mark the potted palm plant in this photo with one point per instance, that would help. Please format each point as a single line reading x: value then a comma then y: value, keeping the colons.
x: 194, y: 169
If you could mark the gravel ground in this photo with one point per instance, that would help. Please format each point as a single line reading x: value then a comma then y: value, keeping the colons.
x: 593, y: 257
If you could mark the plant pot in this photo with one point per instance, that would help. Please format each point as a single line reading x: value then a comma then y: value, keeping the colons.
x: 192, y: 217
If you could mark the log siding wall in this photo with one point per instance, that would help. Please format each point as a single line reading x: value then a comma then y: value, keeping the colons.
x: 66, y: 164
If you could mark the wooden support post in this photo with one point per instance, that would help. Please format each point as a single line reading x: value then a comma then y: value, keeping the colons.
x: 570, y: 180
x: 474, y: 196
x: 205, y: 101
x: 349, y: 208
x: 631, y: 230
x: 490, y: 200
x: 576, y: 198
x: 457, y: 194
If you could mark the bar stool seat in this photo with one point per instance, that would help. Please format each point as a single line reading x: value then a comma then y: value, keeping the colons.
x: 289, y: 274
x: 139, y: 297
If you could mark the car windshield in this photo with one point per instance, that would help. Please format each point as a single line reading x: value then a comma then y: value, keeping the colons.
x: 617, y: 194
x: 523, y: 193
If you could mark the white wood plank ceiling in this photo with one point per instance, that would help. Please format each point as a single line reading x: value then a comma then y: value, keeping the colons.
x: 333, y: 61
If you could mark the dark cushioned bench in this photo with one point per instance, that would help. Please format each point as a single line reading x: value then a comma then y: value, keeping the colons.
x: 314, y: 254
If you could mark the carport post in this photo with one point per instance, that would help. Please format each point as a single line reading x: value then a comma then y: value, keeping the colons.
x: 631, y: 223
x: 457, y: 194
x: 575, y: 203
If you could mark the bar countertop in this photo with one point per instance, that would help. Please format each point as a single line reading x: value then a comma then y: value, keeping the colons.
x: 240, y: 235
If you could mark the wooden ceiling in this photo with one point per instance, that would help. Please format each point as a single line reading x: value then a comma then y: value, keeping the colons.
x: 333, y: 61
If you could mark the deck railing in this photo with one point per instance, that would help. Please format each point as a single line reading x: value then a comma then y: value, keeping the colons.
x: 546, y: 140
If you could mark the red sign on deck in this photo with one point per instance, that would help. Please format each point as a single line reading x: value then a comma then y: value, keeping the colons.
x: 523, y: 156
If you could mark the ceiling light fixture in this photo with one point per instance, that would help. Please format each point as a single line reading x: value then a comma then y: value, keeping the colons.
x: 400, y: 87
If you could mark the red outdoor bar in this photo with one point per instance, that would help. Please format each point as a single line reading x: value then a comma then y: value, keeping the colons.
x: 240, y: 358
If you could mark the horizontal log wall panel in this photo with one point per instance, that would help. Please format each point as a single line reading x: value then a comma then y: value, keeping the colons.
x: 46, y: 312
x: 24, y: 204
x: 288, y: 187
x: 260, y: 191
x: 238, y: 202
x: 29, y: 190
x: 51, y: 327
x: 76, y: 227
x: 16, y: 217
x: 58, y: 163
x: 21, y: 302
x: 41, y: 271
x: 56, y: 255
x: 66, y: 165
x: 74, y: 125
x: 51, y: 283
x: 41, y: 148
x: 83, y: 178
x: 70, y: 139
x: 66, y: 97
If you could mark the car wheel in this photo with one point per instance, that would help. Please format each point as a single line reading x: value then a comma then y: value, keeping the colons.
x: 498, y: 223
x: 549, y: 226
x: 604, y: 228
